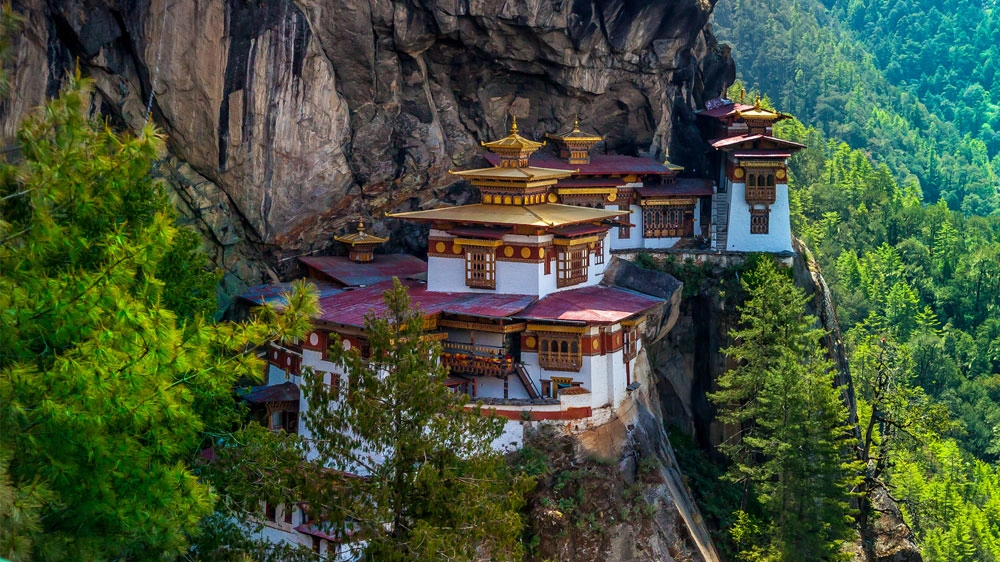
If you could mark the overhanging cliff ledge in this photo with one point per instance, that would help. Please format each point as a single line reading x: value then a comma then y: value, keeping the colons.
x: 286, y: 120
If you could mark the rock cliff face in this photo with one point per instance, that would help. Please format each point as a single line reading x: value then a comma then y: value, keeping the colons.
x: 287, y: 119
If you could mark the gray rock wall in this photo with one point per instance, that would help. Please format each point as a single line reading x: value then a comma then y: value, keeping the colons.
x: 304, y: 114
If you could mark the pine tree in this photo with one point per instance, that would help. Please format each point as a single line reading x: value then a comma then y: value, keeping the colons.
x: 792, y: 451
x: 111, y: 381
x: 430, y: 486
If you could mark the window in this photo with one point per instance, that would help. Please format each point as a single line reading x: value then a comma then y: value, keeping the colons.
x: 759, y: 221
x: 573, y: 265
x: 667, y: 221
x: 480, y: 268
x: 288, y: 513
x: 559, y: 352
x: 315, y: 544
x: 630, y: 343
x: 599, y: 250
x: 760, y: 187
x: 624, y: 232
x: 270, y: 511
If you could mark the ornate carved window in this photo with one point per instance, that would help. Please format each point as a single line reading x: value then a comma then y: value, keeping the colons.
x: 481, y: 267
x: 599, y: 250
x: 760, y: 221
x: 559, y: 352
x: 667, y: 221
x: 572, y: 265
x: 760, y: 187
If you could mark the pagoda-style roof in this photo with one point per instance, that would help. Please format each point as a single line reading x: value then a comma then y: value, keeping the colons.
x: 758, y: 113
x: 575, y: 146
x: 513, y: 149
x: 520, y: 175
x: 541, y: 216
x: 754, y: 141
x: 362, y: 245
x: 360, y: 237
x: 576, y: 136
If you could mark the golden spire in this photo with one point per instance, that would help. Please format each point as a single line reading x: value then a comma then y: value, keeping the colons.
x: 513, y: 149
x: 362, y: 244
x: 574, y: 146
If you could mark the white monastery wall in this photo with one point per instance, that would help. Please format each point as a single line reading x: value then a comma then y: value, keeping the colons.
x: 779, y: 236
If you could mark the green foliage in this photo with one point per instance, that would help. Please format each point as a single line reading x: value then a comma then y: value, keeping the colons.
x: 432, y: 485
x: 792, y: 452
x: 906, y: 82
x: 109, y: 381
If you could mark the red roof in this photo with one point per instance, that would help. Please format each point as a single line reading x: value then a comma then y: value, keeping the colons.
x: 284, y: 392
x: 724, y: 110
x: 681, y: 187
x: 591, y: 182
x: 726, y: 142
x: 762, y: 154
x: 600, y: 164
x: 350, y: 307
x: 275, y: 292
x: 593, y: 305
x: 342, y: 270
x: 314, y: 530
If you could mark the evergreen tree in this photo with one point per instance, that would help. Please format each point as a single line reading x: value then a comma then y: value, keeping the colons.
x: 111, y: 381
x: 792, y: 452
x: 417, y: 478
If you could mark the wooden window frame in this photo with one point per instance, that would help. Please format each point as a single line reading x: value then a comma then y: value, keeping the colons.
x: 760, y: 187
x: 270, y: 512
x: 572, y: 265
x: 287, y: 513
x: 560, y: 352
x: 760, y: 221
x: 667, y: 221
x: 630, y: 343
x: 480, y: 267
x: 599, y: 251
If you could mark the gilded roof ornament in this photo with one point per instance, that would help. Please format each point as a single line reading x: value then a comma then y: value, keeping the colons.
x: 360, y: 237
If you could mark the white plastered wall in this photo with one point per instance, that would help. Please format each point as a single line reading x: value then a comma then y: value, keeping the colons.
x: 779, y: 236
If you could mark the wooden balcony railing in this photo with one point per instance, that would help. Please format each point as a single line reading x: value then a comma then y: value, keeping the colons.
x: 483, y: 360
x: 761, y: 195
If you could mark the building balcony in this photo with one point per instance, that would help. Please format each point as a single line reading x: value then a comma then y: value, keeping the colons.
x: 761, y: 195
x: 479, y: 360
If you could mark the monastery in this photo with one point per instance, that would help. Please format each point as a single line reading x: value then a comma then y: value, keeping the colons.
x: 514, y: 288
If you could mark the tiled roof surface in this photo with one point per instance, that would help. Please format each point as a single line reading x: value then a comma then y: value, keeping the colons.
x: 350, y: 307
x: 342, y: 270
x: 681, y: 187
x: 594, y: 305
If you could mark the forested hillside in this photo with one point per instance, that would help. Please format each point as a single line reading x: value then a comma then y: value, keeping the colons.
x: 897, y: 197
x: 810, y: 65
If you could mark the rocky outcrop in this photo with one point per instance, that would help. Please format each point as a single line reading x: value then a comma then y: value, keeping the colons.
x: 304, y: 114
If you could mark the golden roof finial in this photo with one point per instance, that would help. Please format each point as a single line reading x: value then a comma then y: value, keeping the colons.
x: 576, y: 123
x: 756, y: 103
x: 361, y: 225
x: 743, y: 94
x: 513, y: 124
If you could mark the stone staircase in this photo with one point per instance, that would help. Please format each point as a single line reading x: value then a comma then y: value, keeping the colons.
x: 720, y: 220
